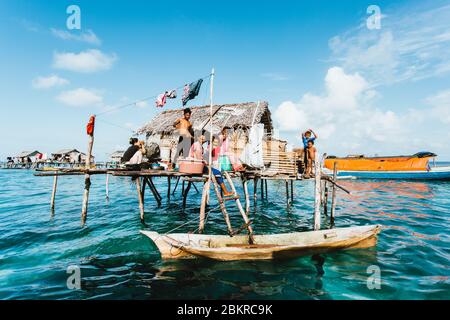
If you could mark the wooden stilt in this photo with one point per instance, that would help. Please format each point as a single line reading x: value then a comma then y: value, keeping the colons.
x: 292, y: 191
x: 325, y: 198
x: 188, y: 187
x: 87, y: 181
x: 182, y: 187
x: 247, y: 196
x: 153, y: 190
x: 144, y: 184
x: 52, y: 200
x: 168, y: 188
x: 195, y: 187
x: 265, y: 188
x: 262, y: 189
x: 333, y: 196
x: 140, y: 198
x: 255, y: 186
x: 107, y: 186
x: 317, y: 194
x: 176, y: 185
x: 201, y: 225
x: 222, y: 205
x: 241, y: 210
x: 287, y: 191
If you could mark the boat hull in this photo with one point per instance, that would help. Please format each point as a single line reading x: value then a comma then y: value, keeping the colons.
x: 287, y: 245
x: 437, y: 173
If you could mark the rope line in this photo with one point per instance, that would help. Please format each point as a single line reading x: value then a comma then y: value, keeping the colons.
x: 140, y: 100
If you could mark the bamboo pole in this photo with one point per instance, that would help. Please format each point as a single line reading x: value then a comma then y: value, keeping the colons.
x: 325, y: 198
x: 222, y: 206
x: 87, y: 180
x: 140, y: 198
x: 333, y: 195
x: 287, y: 191
x: 255, y: 188
x: 241, y: 210
x: 107, y: 186
x: 205, y: 191
x: 317, y: 193
x: 292, y: 191
x: 247, y: 196
x: 211, y: 92
x: 52, y: 200
x: 168, y: 188
x: 186, y: 193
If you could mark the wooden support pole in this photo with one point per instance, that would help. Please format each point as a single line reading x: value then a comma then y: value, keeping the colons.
x: 325, y: 198
x: 205, y: 192
x: 168, y: 188
x: 222, y: 205
x: 292, y: 191
x: 186, y: 193
x: 140, y: 198
x: 247, y: 196
x: 262, y: 189
x: 87, y: 179
x: 107, y: 186
x: 176, y: 185
x: 52, y: 200
x: 317, y: 193
x: 265, y: 187
x: 255, y: 188
x: 333, y: 195
x: 154, y: 191
x: 241, y: 210
x: 287, y: 191
x: 144, y: 184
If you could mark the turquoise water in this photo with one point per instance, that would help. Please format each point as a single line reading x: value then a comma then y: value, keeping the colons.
x: 116, y: 262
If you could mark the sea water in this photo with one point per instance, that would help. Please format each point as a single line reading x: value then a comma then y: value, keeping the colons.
x: 39, y: 249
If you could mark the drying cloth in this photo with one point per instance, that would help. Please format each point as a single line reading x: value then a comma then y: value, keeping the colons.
x: 191, y: 91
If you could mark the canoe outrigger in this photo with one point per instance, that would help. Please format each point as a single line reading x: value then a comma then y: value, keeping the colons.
x: 413, y: 167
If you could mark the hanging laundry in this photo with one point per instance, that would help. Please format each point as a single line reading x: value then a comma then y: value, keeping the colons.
x: 172, y: 94
x: 161, y: 100
x: 191, y: 91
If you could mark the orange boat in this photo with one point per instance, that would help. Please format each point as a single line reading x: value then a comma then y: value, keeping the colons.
x: 416, y: 162
x: 414, y: 167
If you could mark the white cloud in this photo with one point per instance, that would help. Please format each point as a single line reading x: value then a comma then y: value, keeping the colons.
x: 412, y: 44
x: 88, y: 61
x: 49, y: 82
x: 347, y: 121
x: 89, y: 36
x: 440, y: 104
x: 80, y: 97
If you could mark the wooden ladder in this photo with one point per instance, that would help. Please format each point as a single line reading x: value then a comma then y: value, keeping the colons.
x: 235, y: 197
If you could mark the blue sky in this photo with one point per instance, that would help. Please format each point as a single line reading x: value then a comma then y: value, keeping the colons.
x: 384, y: 91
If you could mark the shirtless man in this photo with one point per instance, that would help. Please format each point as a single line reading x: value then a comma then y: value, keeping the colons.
x: 184, y: 128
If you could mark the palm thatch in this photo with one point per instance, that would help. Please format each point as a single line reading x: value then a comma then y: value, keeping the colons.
x: 239, y: 115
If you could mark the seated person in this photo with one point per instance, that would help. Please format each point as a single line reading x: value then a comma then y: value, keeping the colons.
x: 134, y: 153
x: 197, y: 152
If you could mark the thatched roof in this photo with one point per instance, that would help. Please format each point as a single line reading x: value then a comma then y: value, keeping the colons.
x: 25, y: 154
x: 118, y: 153
x: 231, y: 115
x: 67, y: 151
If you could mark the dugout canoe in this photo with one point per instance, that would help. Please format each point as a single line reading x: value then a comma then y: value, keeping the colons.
x: 271, y: 246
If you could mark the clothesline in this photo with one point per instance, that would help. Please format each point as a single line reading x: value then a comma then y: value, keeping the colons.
x: 140, y: 100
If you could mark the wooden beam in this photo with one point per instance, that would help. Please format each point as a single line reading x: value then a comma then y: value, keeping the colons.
x: 317, y: 193
x: 203, y: 204
x: 140, y: 198
x: 52, y: 200
x: 87, y: 181
x: 333, y: 195
x: 222, y: 205
x: 185, y: 193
